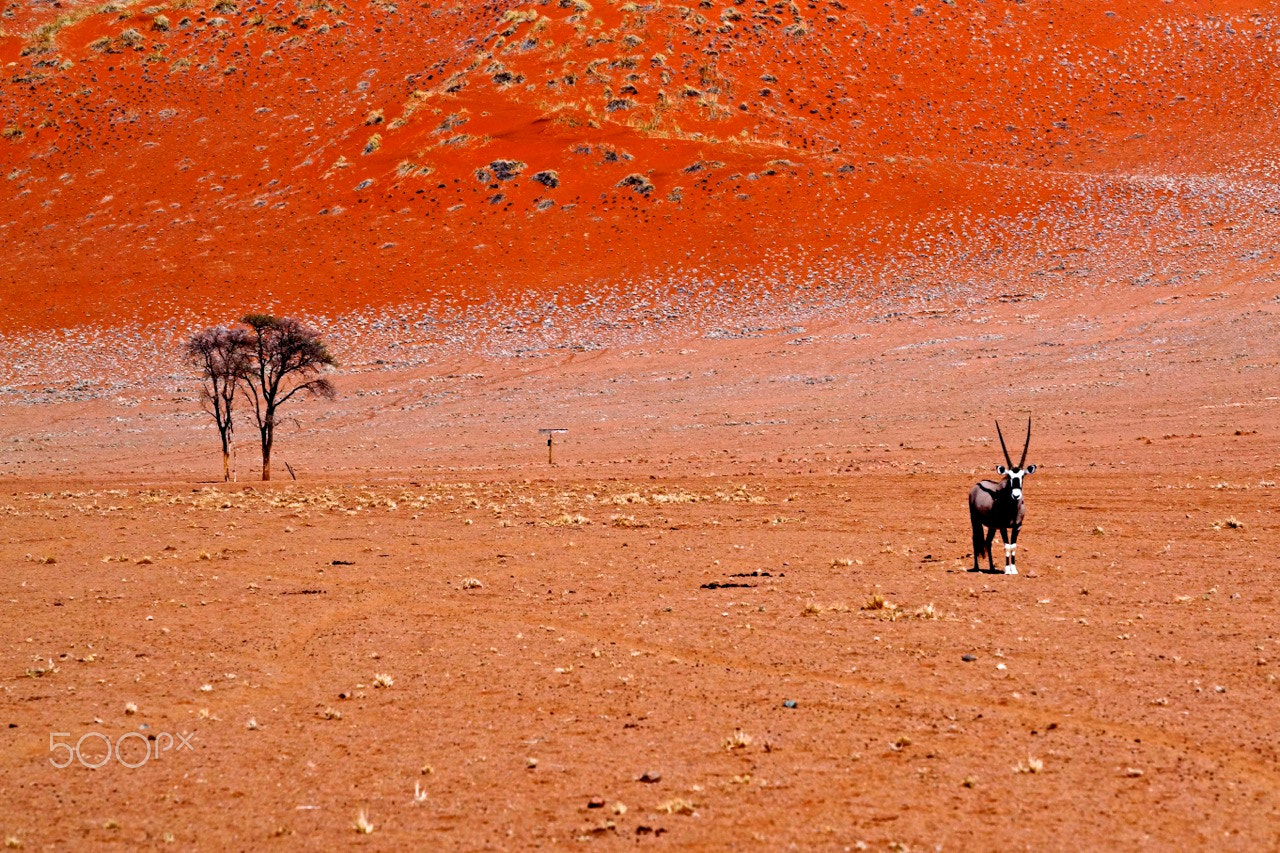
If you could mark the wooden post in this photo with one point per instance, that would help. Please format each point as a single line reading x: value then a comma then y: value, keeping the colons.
x: 550, y: 434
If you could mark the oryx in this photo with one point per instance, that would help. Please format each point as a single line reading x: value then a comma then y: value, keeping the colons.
x: 999, y: 506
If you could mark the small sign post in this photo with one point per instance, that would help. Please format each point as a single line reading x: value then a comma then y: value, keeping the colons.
x: 550, y: 434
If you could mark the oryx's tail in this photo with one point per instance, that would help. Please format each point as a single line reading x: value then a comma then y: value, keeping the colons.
x: 979, y: 543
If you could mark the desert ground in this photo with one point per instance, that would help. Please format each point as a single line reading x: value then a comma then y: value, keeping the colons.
x: 736, y: 611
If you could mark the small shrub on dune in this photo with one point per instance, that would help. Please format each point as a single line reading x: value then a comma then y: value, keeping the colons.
x: 505, y: 170
x: 638, y: 183
x: 548, y: 178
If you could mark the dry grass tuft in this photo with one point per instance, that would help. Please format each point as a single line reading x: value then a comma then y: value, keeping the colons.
x: 1032, y: 765
x: 812, y: 608
x: 362, y: 824
x: 676, y: 806
x: 42, y: 669
x: 675, y: 498
x: 381, y: 679
x: 924, y: 612
x: 1229, y: 523
x: 472, y: 583
x: 877, y: 602
x: 738, y: 740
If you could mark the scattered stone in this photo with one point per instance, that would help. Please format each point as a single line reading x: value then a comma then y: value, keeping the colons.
x: 650, y: 776
x: 968, y: 658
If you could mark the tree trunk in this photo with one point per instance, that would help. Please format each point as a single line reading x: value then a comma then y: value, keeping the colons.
x: 267, y: 438
x: 226, y: 466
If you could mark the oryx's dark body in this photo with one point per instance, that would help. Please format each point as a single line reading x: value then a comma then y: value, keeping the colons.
x: 998, y: 505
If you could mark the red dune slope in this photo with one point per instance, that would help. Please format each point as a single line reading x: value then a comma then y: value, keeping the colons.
x: 631, y: 164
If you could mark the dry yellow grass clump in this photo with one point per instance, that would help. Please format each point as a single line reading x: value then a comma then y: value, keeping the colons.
x: 676, y: 805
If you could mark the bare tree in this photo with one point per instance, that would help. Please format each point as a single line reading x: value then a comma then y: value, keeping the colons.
x: 286, y: 358
x: 222, y: 357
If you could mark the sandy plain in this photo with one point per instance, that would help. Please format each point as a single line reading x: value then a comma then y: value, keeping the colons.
x: 710, y: 545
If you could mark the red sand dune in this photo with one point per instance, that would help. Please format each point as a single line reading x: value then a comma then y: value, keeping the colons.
x: 186, y: 161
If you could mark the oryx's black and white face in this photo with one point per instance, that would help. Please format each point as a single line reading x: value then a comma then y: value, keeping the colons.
x: 1015, y: 473
x: 1015, y: 476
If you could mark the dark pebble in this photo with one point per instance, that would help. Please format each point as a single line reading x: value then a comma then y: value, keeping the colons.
x: 969, y: 658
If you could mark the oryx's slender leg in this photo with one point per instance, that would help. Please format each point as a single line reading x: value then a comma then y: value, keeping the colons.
x: 991, y: 537
x: 977, y: 538
x: 1009, y: 568
x: 1011, y: 552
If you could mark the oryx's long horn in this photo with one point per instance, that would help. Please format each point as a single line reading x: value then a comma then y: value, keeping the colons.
x: 1007, y: 460
x: 1025, y: 446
